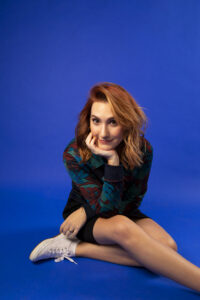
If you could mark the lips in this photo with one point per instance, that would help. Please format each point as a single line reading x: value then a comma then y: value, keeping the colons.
x: 105, y: 141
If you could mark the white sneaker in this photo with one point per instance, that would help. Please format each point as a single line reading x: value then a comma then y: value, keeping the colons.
x: 58, y: 247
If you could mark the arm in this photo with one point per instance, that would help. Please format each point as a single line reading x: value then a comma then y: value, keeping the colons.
x: 100, y: 196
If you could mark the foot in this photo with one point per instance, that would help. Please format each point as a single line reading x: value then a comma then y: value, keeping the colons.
x: 58, y: 247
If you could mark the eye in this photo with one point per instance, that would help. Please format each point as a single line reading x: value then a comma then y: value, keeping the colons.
x: 113, y: 122
x: 95, y: 120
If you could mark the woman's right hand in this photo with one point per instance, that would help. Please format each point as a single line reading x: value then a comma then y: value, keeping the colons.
x: 73, y: 223
x: 111, y: 155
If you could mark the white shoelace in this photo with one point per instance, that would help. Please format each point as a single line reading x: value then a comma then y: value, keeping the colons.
x: 62, y: 256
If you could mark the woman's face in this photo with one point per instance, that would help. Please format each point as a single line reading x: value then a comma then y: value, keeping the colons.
x: 103, y: 125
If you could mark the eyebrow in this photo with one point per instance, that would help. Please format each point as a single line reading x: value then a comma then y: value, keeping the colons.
x: 110, y: 118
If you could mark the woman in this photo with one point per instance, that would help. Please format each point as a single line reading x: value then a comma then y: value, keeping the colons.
x: 109, y: 163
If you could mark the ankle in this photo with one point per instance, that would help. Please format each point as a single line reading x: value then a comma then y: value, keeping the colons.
x: 79, y: 248
x: 83, y: 248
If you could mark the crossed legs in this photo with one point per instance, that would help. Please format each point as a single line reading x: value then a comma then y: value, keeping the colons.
x: 141, y: 243
x: 115, y: 253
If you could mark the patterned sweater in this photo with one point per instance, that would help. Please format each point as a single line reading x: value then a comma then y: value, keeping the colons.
x: 103, y: 189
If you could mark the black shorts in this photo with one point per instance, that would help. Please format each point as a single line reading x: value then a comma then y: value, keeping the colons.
x: 86, y: 232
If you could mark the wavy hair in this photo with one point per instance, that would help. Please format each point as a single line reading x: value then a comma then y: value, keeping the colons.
x: 126, y: 112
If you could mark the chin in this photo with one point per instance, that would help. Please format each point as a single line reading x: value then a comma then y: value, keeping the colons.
x: 105, y: 147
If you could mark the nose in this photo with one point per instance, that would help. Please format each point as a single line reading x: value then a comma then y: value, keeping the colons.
x: 104, y: 132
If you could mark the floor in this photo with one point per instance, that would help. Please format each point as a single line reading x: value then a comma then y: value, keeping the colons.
x: 23, y: 226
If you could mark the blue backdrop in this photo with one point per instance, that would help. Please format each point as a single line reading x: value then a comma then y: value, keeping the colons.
x: 52, y: 52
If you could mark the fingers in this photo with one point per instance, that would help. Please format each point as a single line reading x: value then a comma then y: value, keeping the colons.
x: 88, y: 139
x: 93, y: 141
x: 62, y: 226
x: 68, y: 230
x: 90, y: 142
x: 71, y: 234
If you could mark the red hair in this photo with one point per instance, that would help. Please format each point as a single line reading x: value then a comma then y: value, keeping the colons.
x: 126, y: 112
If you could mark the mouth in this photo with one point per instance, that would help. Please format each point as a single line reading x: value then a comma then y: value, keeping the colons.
x: 105, y: 141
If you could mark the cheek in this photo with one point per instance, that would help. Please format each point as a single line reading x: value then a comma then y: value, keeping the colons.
x: 119, y: 134
x: 93, y: 130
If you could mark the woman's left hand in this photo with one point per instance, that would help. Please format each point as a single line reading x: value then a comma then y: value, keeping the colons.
x: 73, y: 223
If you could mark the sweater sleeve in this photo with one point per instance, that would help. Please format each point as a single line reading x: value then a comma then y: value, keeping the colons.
x: 100, y: 196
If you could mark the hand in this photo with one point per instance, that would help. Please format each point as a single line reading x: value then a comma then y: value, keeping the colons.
x: 111, y: 155
x: 73, y: 223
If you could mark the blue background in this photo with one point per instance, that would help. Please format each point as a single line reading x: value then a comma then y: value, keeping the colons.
x: 52, y: 52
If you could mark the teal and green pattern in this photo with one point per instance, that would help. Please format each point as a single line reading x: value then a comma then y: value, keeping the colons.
x: 103, y: 189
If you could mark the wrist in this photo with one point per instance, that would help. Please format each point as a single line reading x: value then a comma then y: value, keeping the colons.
x: 113, y: 161
x: 82, y: 209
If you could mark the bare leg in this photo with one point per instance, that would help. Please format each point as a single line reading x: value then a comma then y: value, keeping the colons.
x: 147, y: 251
x: 116, y: 254
x: 110, y: 253
x: 163, y: 260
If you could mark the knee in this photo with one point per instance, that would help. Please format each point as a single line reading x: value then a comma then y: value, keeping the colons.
x: 123, y: 228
